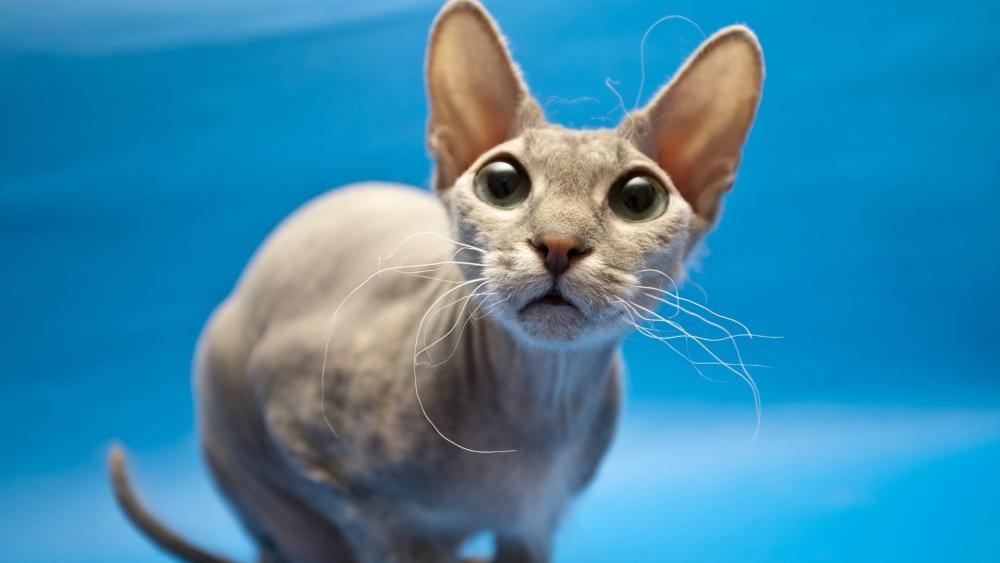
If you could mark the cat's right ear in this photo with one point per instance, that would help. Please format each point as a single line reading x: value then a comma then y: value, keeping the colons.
x: 477, y: 97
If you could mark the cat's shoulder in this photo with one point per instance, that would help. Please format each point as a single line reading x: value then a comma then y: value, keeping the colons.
x: 371, y: 216
x: 372, y: 198
x: 330, y: 244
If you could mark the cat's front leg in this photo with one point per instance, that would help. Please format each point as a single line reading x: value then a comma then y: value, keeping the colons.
x: 426, y: 550
x: 536, y: 549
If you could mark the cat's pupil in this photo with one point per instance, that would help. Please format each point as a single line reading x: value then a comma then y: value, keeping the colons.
x: 502, y: 180
x: 638, y: 195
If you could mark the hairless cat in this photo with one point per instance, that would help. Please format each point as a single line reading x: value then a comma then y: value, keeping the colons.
x: 396, y: 371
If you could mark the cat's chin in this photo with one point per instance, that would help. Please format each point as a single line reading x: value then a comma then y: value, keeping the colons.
x: 557, y: 323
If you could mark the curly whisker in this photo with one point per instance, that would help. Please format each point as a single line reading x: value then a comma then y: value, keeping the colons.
x: 416, y: 387
x: 739, y: 368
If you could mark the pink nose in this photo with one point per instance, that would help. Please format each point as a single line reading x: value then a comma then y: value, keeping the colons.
x: 558, y: 251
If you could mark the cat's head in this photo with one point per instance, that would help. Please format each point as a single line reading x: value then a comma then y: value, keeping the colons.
x: 572, y: 223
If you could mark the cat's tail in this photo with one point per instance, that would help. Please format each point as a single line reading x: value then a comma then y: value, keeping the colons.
x: 160, y: 534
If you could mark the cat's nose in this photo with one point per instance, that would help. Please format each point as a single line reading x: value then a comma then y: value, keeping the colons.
x: 558, y: 251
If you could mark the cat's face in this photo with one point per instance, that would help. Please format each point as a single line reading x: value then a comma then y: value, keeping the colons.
x: 572, y: 227
x: 622, y: 212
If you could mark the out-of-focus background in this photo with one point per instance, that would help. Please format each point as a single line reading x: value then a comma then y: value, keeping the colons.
x: 147, y: 147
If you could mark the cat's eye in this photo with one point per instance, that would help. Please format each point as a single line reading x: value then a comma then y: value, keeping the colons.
x: 502, y: 183
x: 638, y: 197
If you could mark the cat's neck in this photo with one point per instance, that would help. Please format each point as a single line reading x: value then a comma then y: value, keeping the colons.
x: 545, y: 371
x: 499, y: 384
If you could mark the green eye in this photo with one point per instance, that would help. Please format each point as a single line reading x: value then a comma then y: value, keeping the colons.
x: 502, y: 183
x: 638, y: 198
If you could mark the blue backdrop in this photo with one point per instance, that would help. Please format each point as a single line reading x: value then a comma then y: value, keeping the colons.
x: 146, y: 148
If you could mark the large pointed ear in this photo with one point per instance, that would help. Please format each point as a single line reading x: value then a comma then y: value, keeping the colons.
x: 478, y: 99
x: 697, y: 123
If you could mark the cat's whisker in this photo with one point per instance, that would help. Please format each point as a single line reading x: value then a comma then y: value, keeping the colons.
x: 429, y: 267
x: 662, y: 273
x: 422, y: 273
x: 680, y: 308
x: 566, y: 101
x: 642, y: 50
x: 686, y: 356
x: 463, y: 299
x: 435, y: 309
x: 645, y: 331
x: 416, y: 386
x: 492, y: 307
x: 621, y: 105
x: 678, y: 299
x: 699, y: 287
x: 438, y: 266
x: 462, y: 245
x: 403, y: 269
x: 458, y: 339
x: 742, y: 372
x: 432, y: 278
x: 731, y: 338
x: 731, y: 364
x: 659, y: 318
x: 675, y: 295
x: 465, y: 304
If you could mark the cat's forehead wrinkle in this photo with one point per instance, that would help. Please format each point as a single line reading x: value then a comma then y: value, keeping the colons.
x: 574, y: 161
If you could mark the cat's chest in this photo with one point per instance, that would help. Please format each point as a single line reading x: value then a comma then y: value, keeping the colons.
x: 499, y: 491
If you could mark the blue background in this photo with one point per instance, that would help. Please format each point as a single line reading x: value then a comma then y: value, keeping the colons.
x: 146, y: 148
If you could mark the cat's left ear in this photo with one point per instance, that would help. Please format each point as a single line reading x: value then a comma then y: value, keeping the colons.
x: 477, y: 97
x: 694, y: 128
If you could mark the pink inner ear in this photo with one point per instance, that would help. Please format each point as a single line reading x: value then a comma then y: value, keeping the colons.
x: 699, y: 122
x: 475, y: 90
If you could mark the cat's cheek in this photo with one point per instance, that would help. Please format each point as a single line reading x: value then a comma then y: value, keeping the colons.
x: 465, y: 231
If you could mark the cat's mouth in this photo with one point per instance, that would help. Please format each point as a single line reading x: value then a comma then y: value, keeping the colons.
x: 552, y: 317
x: 552, y: 299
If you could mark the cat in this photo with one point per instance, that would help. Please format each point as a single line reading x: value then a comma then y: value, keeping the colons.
x: 469, y: 378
